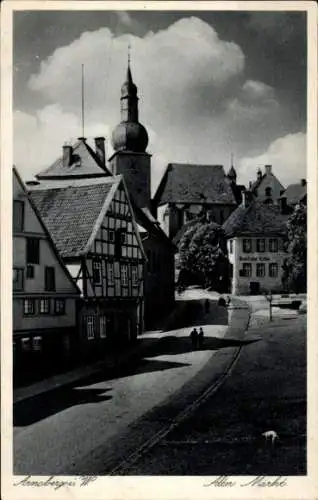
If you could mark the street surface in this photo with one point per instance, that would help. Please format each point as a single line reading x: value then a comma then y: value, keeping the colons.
x: 169, y: 413
x: 79, y: 428
x: 265, y: 391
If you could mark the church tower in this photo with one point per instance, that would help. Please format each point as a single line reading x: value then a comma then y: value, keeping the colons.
x: 130, y: 141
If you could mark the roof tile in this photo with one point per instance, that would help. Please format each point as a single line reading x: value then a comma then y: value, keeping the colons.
x: 190, y: 183
x: 70, y: 214
x: 257, y: 218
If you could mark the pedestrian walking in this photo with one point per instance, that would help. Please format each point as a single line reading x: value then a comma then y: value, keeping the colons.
x: 194, y: 337
x: 200, y: 337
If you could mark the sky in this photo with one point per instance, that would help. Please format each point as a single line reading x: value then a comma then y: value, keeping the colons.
x: 210, y: 83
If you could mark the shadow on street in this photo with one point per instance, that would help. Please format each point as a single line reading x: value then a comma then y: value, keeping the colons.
x: 34, y: 409
x: 44, y: 405
x: 181, y: 345
x: 188, y: 313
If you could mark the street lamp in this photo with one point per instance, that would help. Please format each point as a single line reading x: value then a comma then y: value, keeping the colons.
x: 269, y: 298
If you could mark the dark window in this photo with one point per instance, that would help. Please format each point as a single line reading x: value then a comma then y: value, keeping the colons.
x: 273, y: 245
x: 110, y: 274
x: 268, y: 191
x: 90, y: 326
x: 33, y: 250
x: 30, y: 272
x: 18, y: 279
x: 260, y: 270
x: 247, y: 269
x: 111, y: 236
x: 97, y: 272
x: 18, y: 215
x: 134, y: 275
x: 28, y: 307
x: 124, y: 275
x: 231, y: 246
x: 37, y: 343
x: 49, y: 284
x: 247, y: 245
x: 44, y: 306
x: 273, y: 270
x: 260, y: 245
x: 59, y: 306
x: 103, y: 326
x: 26, y: 344
x: 118, y: 243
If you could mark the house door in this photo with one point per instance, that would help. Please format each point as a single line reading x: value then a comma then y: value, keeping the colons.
x: 254, y: 288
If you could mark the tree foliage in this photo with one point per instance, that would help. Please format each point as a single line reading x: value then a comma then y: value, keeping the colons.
x: 295, y: 265
x: 203, y: 257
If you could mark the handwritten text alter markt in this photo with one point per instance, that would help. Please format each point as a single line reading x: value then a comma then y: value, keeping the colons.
x: 257, y: 481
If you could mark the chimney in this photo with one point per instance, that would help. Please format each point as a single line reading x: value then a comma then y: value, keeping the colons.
x: 268, y: 169
x: 100, y: 149
x: 67, y: 155
x: 259, y: 174
x: 246, y: 198
x: 303, y: 182
x: 282, y: 204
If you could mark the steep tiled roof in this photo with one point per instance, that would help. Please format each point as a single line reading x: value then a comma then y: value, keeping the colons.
x: 295, y: 193
x: 257, y: 218
x: 71, y: 213
x: 189, y: 183
x: 86, y: 163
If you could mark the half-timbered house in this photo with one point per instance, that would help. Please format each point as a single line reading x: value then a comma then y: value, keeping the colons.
x: 93, y: 226
x: 44, y: 293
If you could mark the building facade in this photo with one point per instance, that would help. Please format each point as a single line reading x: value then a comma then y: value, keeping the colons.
x: 267, y: 187
x: 44, y: 294
x: 255, y: 241
x: 187, y: 190
x: 94, y: 228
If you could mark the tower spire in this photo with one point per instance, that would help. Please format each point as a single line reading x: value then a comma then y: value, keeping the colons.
x: 129, y: 49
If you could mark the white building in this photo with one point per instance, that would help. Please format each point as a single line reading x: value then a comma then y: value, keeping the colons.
x: 255, y: 237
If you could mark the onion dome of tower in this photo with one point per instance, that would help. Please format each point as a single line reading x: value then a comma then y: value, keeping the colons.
x: 129, y: 134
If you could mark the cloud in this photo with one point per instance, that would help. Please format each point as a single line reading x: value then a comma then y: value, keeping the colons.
x: 38, y: 139
x: 287, y: 155
x: 195, y: 100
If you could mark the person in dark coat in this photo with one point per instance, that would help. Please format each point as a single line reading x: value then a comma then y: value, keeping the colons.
x: 200, y: 337
x: 194, y: 337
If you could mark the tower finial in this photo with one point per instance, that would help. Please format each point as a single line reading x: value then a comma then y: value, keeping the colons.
x: 129, y: 52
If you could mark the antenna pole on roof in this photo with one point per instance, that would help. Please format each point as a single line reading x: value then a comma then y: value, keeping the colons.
x: 83, y: 116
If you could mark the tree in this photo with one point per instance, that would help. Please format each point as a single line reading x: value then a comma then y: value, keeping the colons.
x: 294, y: 276
x: 203, y: 257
